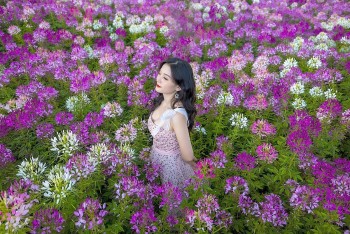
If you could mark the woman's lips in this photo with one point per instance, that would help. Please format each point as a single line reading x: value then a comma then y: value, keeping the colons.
x: 158, y: 86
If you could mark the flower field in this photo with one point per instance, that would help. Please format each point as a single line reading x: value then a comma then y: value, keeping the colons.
x: 271, y: 135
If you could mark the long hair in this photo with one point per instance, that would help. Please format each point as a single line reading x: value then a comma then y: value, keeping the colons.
x: 182, y: 73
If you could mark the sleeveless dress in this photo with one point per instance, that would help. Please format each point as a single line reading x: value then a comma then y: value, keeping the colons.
x: 166, y: 150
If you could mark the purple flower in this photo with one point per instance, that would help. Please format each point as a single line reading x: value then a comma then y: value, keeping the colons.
x: 345, y: 118
x: 248, y: 206
x: 342, y: 185
x: 324, y: 172
x: 64, y: 118
x: 45, y: 130
x: 143, y: 221
x: 47, y: 221
x: 266, y: 152
x: 205, y: 169
x: 90, y: 214
x: 273, y: 211
x: 130, y: 186
x: 152, y: 171
x: 305, y: 198
x: 302, y: 120
x: 219, y: 158
x: 237, y: 186
x: 299, y: 141
x: 256, y: 102
x: 329, y: 110
x: 94, y: 119
x: 170, y: 195
x: 244, y: 161
x: 80, y: 166
x: 6, y: 156
x: 262, y: 128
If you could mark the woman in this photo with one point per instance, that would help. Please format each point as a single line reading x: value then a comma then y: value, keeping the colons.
x: 171, y: 120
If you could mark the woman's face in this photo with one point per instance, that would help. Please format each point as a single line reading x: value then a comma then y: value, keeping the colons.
x: 165, y: 83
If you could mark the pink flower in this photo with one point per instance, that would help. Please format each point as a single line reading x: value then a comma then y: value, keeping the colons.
x: 266, y: 152
x: 262, y: 128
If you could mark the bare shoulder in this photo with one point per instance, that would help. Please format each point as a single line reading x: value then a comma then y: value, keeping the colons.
x: 179, y: 121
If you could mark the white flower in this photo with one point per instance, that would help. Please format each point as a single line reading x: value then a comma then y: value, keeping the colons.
x: 299, y: 103
x: 297, y: 43
x: 75, y: 103
x: 113, y: 36
x: 65, y: 143
x: 197, y: 6
x: 239, y: 120
x: 89, y: 51
x: 126, y: 148
x: 289, y: 63
x: 344, y: 22
x: 329, y: 94
x: 58, y: 185
x: 32, y: 169
x: 316, y: 92
x: 314, y: 62
x: 99, y: 153
x: 97, y: 25
x: 118, y: 22
x: 200, y: 129
x: 297, y: 88
x: 164, y: 29
x: 225, y: 98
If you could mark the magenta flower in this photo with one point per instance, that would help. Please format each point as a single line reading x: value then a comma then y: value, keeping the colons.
x: 248, y: 206
x: 45, y: 130
x: 256, y: 102
x: 305, y: 198
x: 90, y: 214
x: 273, y: 211
x: 299, y: 141
x: 237, y: 186
x: 6, y: 156
x: 80, y: 166
x: 345, y: 118
x: 64, y: 118
x: 329, y: 110
x: 266, y: 152
x: 144, y: 221
x: 171, y: 196
x: 47, y: 221
x: 218, y: 158
x: 244, y: 161
x: 205, y: 169
x: 262, y: 128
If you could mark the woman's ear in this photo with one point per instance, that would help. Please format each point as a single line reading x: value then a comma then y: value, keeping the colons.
x: 178, y: 88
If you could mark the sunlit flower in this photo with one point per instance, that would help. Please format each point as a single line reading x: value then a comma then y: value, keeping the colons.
x: 314, y: 62
x: 299, y: 103
x: 65, y: 144
x: 239, y: 120
x: 31, y: 169
x: 297, y: 88
x: 316, y: 92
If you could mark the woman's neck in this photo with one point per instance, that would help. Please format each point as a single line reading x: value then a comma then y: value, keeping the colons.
x: 167, y: 101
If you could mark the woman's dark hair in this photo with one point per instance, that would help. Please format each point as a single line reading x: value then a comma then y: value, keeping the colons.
x: 181, y: 72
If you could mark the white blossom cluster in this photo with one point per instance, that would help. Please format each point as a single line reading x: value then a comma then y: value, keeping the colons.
x: 288, y: 64
x: 77, y: 102
x: 59, y: 184
x: 144, y: 26
x: 200, y: 129
x: 299, y: 103
x: 126, y: 148
x: 225, y: 98
x: 344, y: 22
x: 322, y: 41
x: 99, y: 153
x: 164, y: 30
x: 89, y: 51
x: 65, y: 143
x: 118, y: 20
x: 96, y: 25
x: 196, y: 6
x: 314, y: 62
x: 297, y: 88
x: 316, y: 92
x: 329, y: 94
x: 239, y: 120
x: 31, y: 169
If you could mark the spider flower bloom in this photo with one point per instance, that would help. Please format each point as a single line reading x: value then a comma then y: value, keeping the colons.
x: 329, y: 110
x: 236, y: 185
x: 45, y: 130
x: 6, y: 156
x: 266, y: 152
x: 244, y: 161
x: 248, y: 206
x: 112, y: 110
x: 64, y: 118
x: 239, y: 120
x: 205, y: 169
x: 273, y: 211
x: 170, y: 195
x: 90, y: 214
x: 305, y: 198
x: 299, y: 141
x: 256, y: 102
x: 32, y: 169
x: 345, y: 118
x: 219, y: 158
x: 262, y: 128
x: 47, y: 221
x: 144, y: 220
x: 80, y: 166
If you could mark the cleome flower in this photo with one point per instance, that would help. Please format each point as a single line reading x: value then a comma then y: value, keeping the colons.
x: 58, y: 185
x: 239, y: 120
x: 31, y: 169
x: 65, y: 143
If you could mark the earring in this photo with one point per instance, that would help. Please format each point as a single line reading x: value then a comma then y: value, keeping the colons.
x: 176, y: 95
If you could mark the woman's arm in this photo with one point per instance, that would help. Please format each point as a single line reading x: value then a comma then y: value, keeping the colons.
x: 179, y: 125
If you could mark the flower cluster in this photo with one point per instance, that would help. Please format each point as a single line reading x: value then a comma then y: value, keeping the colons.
x: 266, y: 152
x: 76, y: 103
x: 273, y: 211
x: 237, y: 186
x: 6, y: 156
x: 47, y: 221
x: 144, y: 221
x: 112, y: 110
x: 239, y: 120
x: 262, y: 128
x: 58, y: 185
x: 33, y: 169
x: 90, y: 214
x: 127, y: 133
x: 244, y: 161
x: 80, y: 167
x: 65, y: 143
